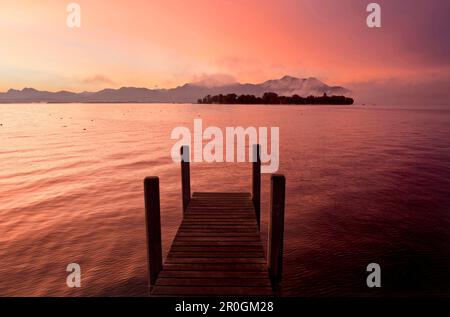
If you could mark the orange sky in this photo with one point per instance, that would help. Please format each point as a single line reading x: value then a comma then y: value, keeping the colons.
x: 166, y: 43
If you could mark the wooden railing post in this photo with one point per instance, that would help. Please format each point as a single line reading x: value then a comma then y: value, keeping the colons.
x: 153, y: 224
x: 185, y: 176
x: 276, y: 228
x: 256, y: 182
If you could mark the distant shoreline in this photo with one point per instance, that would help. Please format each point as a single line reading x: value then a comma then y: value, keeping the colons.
x: 169, y: 103
x: 229, y: 99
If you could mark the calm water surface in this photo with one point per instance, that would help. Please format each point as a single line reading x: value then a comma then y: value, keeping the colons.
x: 363, y: 185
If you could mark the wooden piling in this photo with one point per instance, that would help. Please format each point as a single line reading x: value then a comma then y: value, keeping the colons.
x: 185, y: 176
x: 276, y: 228
x: 256, y: 182
x: 153, y: 226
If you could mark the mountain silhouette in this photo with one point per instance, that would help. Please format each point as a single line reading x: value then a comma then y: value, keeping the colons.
x: 188, y: 93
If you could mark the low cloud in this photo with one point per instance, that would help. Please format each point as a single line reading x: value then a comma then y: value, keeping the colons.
x: 214, y: 80
x: 98, y: 79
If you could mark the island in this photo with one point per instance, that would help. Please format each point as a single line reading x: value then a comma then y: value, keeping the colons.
x: 271, y: 98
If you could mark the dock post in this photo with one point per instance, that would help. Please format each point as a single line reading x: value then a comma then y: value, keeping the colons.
x: 276, y: 228
x: 256, y: 182
x: 153, y: 226
x: 185, y: 176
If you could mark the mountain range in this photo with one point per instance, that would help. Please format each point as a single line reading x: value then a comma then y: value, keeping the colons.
x: 188, y: 93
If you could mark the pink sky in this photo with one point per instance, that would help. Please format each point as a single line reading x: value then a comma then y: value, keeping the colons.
x: 166, y: 43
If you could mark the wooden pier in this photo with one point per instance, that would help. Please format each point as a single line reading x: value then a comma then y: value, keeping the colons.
x: 217, y: 250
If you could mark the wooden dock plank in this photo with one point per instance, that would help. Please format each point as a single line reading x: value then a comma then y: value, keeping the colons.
x: 223, y: 249
x: 244, y: 282
x: 211, y: 291
x: 214, y: 274
x: 216, y: 251
x: 214, y: 260
x: 216, y: 267
x: 216, y: 243
x: 216, y: 254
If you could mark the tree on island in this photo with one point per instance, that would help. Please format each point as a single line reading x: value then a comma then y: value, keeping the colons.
x: 273, y: 99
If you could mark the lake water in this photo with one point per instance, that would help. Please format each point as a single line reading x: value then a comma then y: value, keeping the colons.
x: 364, y: 184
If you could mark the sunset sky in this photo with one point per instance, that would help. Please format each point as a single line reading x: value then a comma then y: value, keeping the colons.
x: 165, y: 43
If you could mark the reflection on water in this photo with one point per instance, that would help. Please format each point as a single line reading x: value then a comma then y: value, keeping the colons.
x: 363, y: 185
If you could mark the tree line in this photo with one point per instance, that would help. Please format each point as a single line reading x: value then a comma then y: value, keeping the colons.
x: 273, y: 99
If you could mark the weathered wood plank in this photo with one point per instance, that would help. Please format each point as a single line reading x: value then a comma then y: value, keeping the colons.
x: 220, y: 254
x: 221, y: 214
x: 214, y: 274
x: 216, y: 267
x: 218, y: 233
x: 214, y: 238
x: 216, y: 243
x: 247, y: 221
x: 225, y: 249
x: 227, y: 194
x: 216, y: 227
x: 214, y: 260
x: 211, y: 291
x: 243, y: 282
